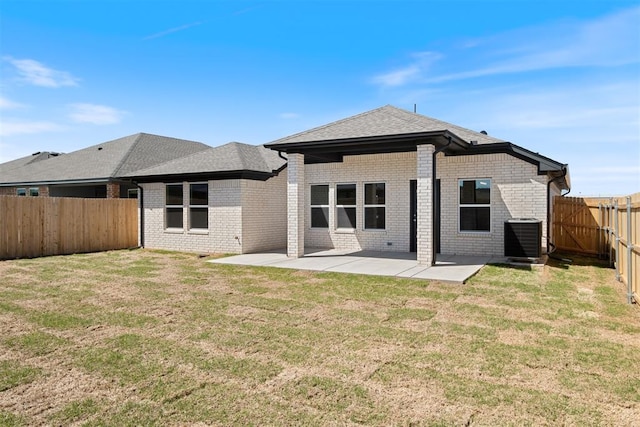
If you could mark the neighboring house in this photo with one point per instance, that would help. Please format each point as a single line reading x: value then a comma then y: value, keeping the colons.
x: 392, y: 180
x: 94, y: 171
x: 227, y: 199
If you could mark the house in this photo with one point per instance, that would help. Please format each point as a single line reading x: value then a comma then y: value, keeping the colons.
x: 227, y: 199
x: 392, y: 180
x: 384, y: 180
x: 94, y: 171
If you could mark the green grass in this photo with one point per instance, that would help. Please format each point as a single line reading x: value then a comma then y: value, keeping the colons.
x: 179, y: 341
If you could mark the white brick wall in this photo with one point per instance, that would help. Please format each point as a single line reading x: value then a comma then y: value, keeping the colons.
x: 517, y: 191
x: 260, y: 225
x: 395, y: 170
x: 264, y: 214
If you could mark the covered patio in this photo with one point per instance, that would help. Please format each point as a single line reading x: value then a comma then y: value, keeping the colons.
x: 447, y: 268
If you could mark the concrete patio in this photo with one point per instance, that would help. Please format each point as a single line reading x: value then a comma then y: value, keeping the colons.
x: 448, y: 268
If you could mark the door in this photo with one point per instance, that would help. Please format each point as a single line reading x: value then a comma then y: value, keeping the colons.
x: 413, y: 209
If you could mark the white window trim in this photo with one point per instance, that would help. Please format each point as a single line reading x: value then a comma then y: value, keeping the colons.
x: 484, y: 205
x: 346, y: 229
x: 198, y: 230
x: 167, y: 206
x: 328, y: 206
x: 365, y: 206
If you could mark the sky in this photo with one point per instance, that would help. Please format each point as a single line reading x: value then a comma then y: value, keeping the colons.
x: 560, y: 77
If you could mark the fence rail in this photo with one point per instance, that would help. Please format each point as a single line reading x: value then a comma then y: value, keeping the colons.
x: 41, y: 226
x: 605, y: 227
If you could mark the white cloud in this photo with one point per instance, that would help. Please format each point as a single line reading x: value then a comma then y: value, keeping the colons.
x: 95, y: 114
x: 172, y: 30
x: 37, y: 74
x: 7, y: 104
x: 611, y: 40
x: 289, y: 115
x: 421, y: 63
x: 9, y: 128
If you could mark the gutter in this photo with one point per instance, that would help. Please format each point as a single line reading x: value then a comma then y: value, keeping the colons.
x: 551, y: 181
x: 141, y: 201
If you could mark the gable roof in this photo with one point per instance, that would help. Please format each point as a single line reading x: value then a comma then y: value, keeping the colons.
x: 383, y: 121
x: 104, y: 161
x: 232, y: 158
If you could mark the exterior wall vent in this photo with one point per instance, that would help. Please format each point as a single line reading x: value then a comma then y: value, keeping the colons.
x: 523, y: 238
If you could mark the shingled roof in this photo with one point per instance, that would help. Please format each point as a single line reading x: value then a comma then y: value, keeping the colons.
x: 383, y: 121
x: 26, y: 160
x: 103, y: 161
x: 231, y: 157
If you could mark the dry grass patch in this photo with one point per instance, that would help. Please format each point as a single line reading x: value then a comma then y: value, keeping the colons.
x: 155, y: 338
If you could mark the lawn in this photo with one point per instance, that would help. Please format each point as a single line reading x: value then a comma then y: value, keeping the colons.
x: 158, y: 338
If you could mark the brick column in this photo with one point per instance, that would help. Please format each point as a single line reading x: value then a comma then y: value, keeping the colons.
x: 425, y: 204
x: 295, y: 205
x: 113, y: 190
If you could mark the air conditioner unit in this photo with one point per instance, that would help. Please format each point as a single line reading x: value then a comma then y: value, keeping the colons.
x: 523, y: 238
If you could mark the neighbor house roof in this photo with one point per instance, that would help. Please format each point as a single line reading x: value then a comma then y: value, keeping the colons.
x: 234, y: 159
x: 384, y: 121
x: 102, y: 162
x: 26, y: 160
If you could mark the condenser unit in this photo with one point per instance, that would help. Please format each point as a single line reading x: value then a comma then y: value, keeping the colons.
x: 523, y: 238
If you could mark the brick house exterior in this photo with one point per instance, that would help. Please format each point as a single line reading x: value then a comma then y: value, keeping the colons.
x: 479, y: 183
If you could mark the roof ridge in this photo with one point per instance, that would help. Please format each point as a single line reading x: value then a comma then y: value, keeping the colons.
x: 122, y: 161
x: 346, y: 119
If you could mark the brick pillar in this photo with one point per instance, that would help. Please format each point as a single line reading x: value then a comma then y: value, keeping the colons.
x: 44, y: 191
x: 295, y: 205
x: 425, y: 204
x: 113, y: 190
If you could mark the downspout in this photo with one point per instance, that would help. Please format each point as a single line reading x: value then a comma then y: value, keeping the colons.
x: 558, y: 178
x: 282, y: 157
x: 141, y: 200
x: 433, y: 195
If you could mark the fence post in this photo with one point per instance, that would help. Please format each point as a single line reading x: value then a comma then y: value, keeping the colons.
x: 617, y: 236
x: 600, y: 221
x: 610, y: 241
x: 629, y: 250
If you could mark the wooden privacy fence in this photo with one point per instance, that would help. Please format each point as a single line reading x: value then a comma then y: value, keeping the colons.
x: 41, y: 226
x: 608, y: 228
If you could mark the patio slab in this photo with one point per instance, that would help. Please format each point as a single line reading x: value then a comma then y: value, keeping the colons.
x: 448, y: 268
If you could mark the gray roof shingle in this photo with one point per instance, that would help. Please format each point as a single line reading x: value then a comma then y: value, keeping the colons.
x: 234, y: 156
x: 383, y: 121
x: 104, y: 161
x: 26, y: 160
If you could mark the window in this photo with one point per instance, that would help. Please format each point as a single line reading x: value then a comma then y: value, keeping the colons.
x: 21, y: 192
x: 199, y: 206
x: 34, y: 191
x: 374, y: 211
x: 132, y: 193
x: 173, y: 215
x: 346, y: 205
x: 320, y: 206
x: 475, y: 205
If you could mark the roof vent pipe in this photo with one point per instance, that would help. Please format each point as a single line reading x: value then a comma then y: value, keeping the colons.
x: 484, y: 132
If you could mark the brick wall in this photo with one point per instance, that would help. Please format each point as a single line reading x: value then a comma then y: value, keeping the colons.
x: 12, y: 191
x: 395, y: 170
x: 264, y: 214
x: 517, y: 191
x: 260, y: 225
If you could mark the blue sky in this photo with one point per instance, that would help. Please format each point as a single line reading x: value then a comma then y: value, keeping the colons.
x: 557, y: 77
